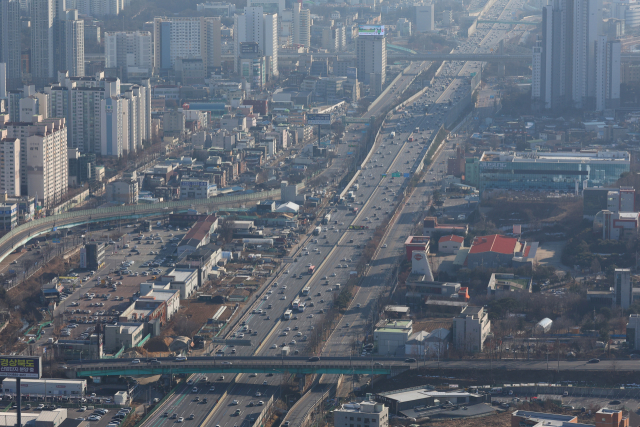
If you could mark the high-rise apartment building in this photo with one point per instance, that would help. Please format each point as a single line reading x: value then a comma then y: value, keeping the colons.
x: 9, y: 165
x: 44, y: 168
x: 71, y: 57
x: 572, y: 65
x: 129, y: 50
x: 258, y: 27
x: 10, y: 41
x: 186, y: 38
x: 425, y: 19
x: 301, y: 25
x: 371, y: 61
x: 268, y: 6
x: 114, y: 117
x: 46, y: 39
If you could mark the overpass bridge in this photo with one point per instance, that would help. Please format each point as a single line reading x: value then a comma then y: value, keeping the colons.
x: 489, y: 21
x: 255, y: 364
x: 29, y: 230
x: 477, y: 57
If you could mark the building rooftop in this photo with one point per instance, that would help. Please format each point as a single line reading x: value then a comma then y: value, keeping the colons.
x: 556, y: 157
x: 451, y: 238
x: 495, y: 243
x: 181, y: 274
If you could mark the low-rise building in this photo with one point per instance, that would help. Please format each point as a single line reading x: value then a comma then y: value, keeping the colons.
x: 403, y: 400
x: 430, y: 226
x: 183, y: 279
x: 364, y: 414
x: 470, y: 329
x: 126, y: 334
x: 605, y: 417
x: 501, y: 284
x: 428, y: 344
x: 192, y: 188
x: 197, y: 236
x: 392, y: 335
x: 46, y: 387
x: 450, y: 244
x: 416, y: 243
x: 499, y: 251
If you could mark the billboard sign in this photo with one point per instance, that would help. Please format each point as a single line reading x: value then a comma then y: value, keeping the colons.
x: 371, y: 30
x: 20, y: 367
x: 318, y: 119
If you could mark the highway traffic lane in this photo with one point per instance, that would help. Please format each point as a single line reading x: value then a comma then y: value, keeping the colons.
x: 319, y: 273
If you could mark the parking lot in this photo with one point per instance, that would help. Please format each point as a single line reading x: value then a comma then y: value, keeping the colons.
x: 579, y: 402
x: 128, y: 262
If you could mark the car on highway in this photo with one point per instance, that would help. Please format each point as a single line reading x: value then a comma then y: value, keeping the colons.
x: 594, y: 360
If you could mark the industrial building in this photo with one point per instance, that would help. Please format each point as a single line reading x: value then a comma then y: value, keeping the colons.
x: 367, y: 413
x: 430, y: 225
x: 126, y: 334
x: 562, y: 171
x: 470, y: 329
x: 502, y: 284
x: 450, y: 244
x: 391, y: 335
x: 416, y: 243
x: 424, y: 396
x: 500, y: 251
x: 183, y: 279
x: 199, y: 235
x: 46, y: 387
x: 604, y: 418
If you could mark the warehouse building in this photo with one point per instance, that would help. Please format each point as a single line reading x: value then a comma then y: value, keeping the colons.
x: 424, y: 396
x: 46, y: 387
x: 392, y: 335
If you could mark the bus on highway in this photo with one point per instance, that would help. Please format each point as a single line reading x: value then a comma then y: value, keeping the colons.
x: 287, y: 314
x: 306, y: 291
x: 295, y: 303
x: 301, y: 307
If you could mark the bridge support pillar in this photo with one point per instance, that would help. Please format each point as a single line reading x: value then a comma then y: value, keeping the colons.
x: 301, y: 382
x: 501, y: 69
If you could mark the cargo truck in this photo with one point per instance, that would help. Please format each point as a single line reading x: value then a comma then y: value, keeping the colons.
x: 285, y: 350
x: 326, y: 218
x: 317, y: 231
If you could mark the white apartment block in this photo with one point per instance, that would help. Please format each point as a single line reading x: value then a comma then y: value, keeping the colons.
x: 128, y: 49
x: 98, y: 8
x: 186, y: 38
x: 301, y: 25
x: 9, y: 165
x: 84, y: 119
x: 44, y: 167
x: 114, y: 126
x: 256, y: 26
x: 73, y: 53
x: 470, y: 329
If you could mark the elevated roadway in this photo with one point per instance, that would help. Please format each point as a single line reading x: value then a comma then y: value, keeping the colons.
x: 230, y: 365
x: 29, y: 230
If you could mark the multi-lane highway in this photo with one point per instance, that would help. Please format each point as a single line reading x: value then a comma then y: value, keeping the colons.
x: 333, y: 253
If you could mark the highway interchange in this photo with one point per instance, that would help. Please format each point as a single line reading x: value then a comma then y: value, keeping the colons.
x: 333, y: 248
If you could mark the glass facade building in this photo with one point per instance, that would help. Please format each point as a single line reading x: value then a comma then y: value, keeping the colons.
x: 551, y: 171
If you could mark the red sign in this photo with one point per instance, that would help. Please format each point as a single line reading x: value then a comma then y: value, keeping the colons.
x: 417, y: 256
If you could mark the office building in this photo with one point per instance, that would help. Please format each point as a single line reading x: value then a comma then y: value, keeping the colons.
x: 603, y: 418
x: 10, y: 44
x: 9, y: 165
x: 392, y: 336
x: 371, y: 61
x: 255, y: 26
x: 129, y: 51
x: 301, y: 25
x: 561, y: 171
x: 268, y: 6
x: 367, y: 413
x: 8, y: 216
x: 196, y: 37
x: 622, y: 288
x: 95, y: 255
x: 633, y: 332
x: 470, y: 329
x: 217, y: 8
x: 573, y: 66
x: 425, y: 20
